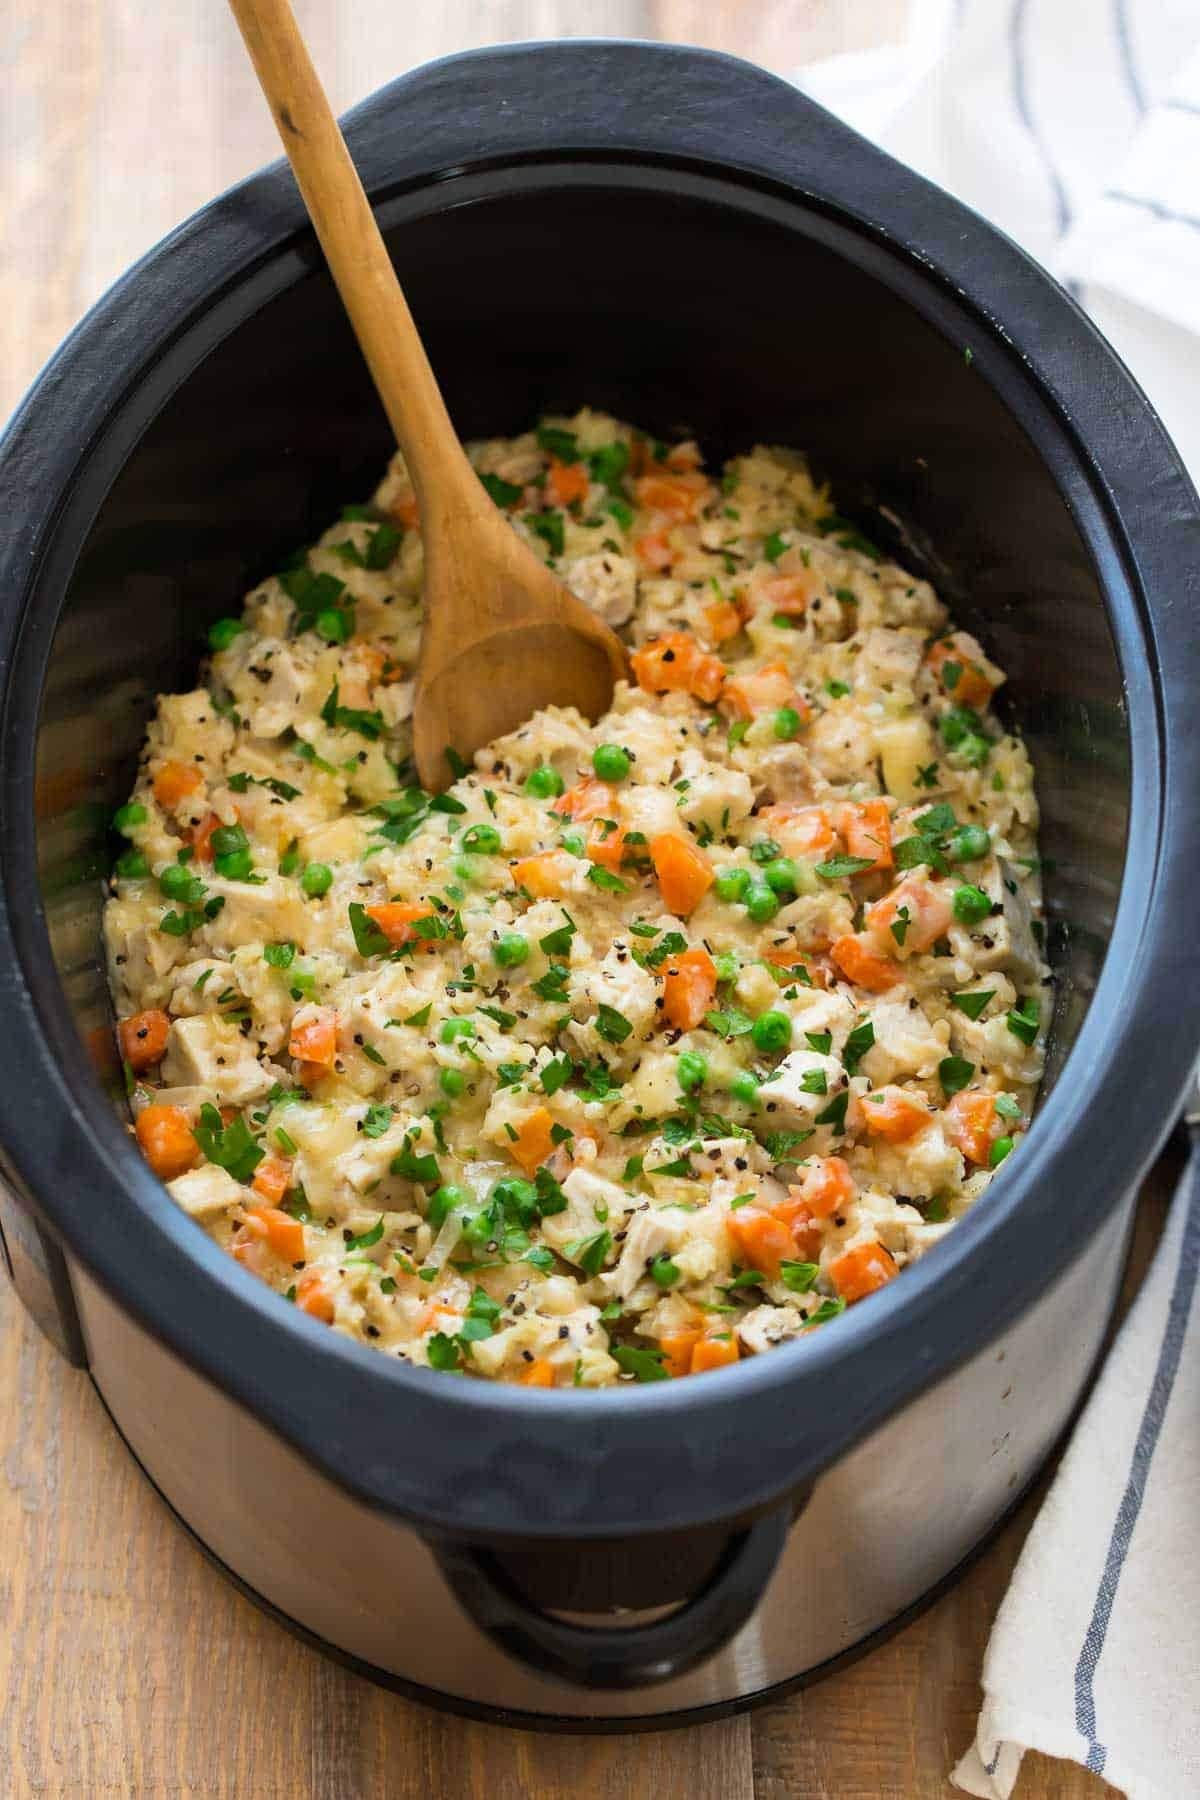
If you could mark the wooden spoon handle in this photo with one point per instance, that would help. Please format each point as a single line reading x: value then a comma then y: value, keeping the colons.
x: 353, y: 246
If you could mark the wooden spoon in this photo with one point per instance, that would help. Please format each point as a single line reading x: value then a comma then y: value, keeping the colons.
x: 502, y: 636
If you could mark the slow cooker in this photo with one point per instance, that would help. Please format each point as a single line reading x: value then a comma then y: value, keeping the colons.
x: 686, y: 241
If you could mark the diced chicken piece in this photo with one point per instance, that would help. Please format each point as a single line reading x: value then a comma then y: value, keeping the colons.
x: 140, y: 957
x: 208, y: 1052
x: 801, y: 1087
x: 906, y: 1043
x: 890, y: 658
x: 607, y: 583
x: 590, y: 1198
x: 206, y: 1193
x: 1005, y: 940
x: 395, y: 702
x: 620, y: 984
x: 270, y: 681
x: 558, y: 735
x: 655, y: 1232
x: 920, y: 1167
x: 767, y: 1326
x: 841, y: 742
x: 715, y: 796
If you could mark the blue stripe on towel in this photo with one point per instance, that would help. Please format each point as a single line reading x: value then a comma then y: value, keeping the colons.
x: 1139, y: 1471
x: 1125, y: 45
x: 1016, y: 40
x: 1153, y: 206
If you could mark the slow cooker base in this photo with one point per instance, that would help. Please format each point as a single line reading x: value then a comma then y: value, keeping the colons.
x: 577, y: 1724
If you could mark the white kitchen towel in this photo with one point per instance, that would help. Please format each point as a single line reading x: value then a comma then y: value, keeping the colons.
x: 1075, y: 126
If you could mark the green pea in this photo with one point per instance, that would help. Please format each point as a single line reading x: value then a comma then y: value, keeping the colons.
x: 316, y: 880
x: 744, y: 1087
x: 761, y: 905
x: 691, y: 1071
x: 786, y: 722
x: 781, y: 876
x: 510, y: 949
x: 610, y: 762
x: 178, y: 883
x: 453, y: 1029
x: 222, y: 633
x: 969, y: 843
x: 483, y: 840
x: 665, y: 1272
x: 971, y: 905
x: 544, y: 783
x: 574, y: 842
x: 999, y: 1150
x: 126, y: 817
x: 235, y: 865
x: 452, y: 1083
x: 132, y: 866
x: 334, y: 624
x: 443, y: 1201
x: 469, y: 868
x: 772, y: 1032
x: 732, y: 884
x: 728, y: 965
x: 481, y: 1227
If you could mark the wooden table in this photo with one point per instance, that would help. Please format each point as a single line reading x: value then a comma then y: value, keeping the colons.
x: 128, y: 1666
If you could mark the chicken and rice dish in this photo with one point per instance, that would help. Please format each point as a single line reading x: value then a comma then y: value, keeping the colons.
x: 648, y: 1045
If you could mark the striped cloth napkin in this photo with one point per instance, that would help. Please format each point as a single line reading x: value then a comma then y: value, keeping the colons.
x: 1075, y: 126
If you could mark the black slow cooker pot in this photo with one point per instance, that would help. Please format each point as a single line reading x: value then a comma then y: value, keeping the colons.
x: 688, y: 242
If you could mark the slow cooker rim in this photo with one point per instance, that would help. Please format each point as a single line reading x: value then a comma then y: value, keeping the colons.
x: 892, y: 1317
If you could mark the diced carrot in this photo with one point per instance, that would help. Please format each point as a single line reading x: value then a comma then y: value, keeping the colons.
x: 406, y: 512
x: 607, y: 848
x: 200, y: 837
x: 544, y: 876
x: 919, y: 912
x: 588, y: 799
x: 273, y: 1178
x: 957, y: 662
x: 284, y: 1234
x: 314, y: 1297
x: 683, y: 871
x: 826, y: 1186
x: 714, y: 1353
x: 722, y: 621
x: 765, y: 690
x: 677, y: 1347
x: 788, y: 594
x: 970, y: 1121
x: 763, y: 1241
x: 540, y: 1373
x: 689, y: 988
x: 801, y: 830
x: 861, y: 1270
x: 677, y: 496
x: 894, y: 1114
x: 796, y: 1214
x: 143, y: 1038
x: 174, y: 782
x: 653, y: 550
x: 166, y: 1141
x: 861, y: 963
x: 566, y: 482
x: 396, y: 921
x: 378, y: 664
x: 533, y: 1141
x: 866, y: 829
x: 308, y: 1074
x: 675, y: 664
x: 314, y: 1036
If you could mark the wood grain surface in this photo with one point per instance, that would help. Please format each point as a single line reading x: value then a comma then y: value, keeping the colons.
x: 128, y: 1666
